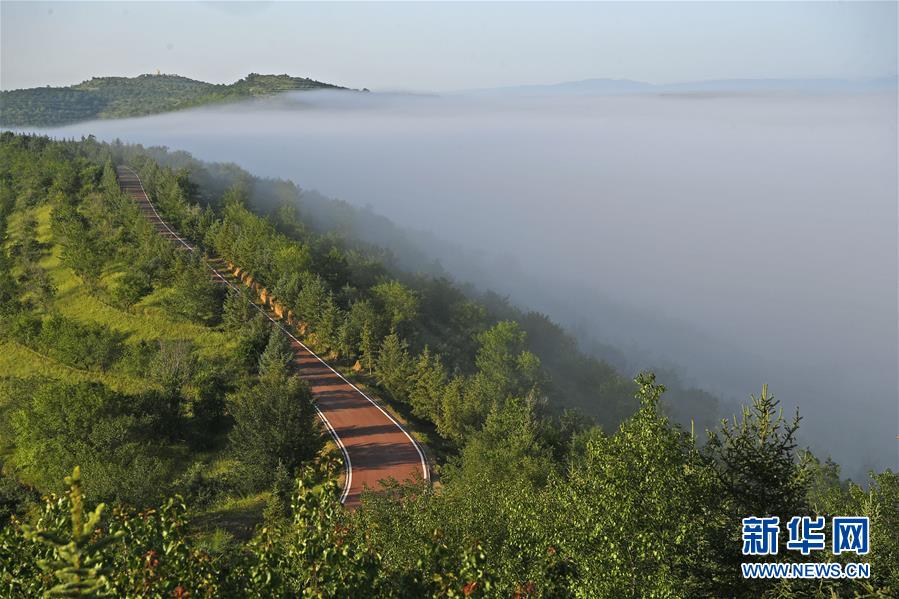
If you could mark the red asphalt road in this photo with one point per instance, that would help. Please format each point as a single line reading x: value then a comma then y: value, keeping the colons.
x: 375, y: 446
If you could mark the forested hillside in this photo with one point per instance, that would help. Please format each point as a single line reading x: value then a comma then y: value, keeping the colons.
x: 573, y: 376
x: 130, y: 378
x: 117, y: 97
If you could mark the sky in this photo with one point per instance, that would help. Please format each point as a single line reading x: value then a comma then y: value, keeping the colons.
x: 446, y: 46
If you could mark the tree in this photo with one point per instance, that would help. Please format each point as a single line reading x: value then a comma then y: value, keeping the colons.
x: 506, y: 365
x: 274, y: 421
x: 327, y: 327
x: 427, y: 386
x: 37, y: 282
x: 399, y: 302
x: 279, y: 501
x: 252, y: 340
x: 367, y: 349
x: 454, y: 421
x: 132, y: 286
x: 111, y: 436
x: 80, y: 250
x: 312, y: 298
x: 278, y: 354
x: 173, y: 366
x: 65, y: 183
x: 361, y: 331
x: 756, y: 459
x: 195, y: 295
x: 394, y: 367
x: 109, y: 181
x: 508, y: 448
x: 627, y: 514
x: 346, y: 344
x: 505, y: 370
x: 82, y: 345
x: 288, y: 284
x: 236, y: 310
x: 290, y: 257
x: 756, y: 473
x: 79, y: 560
x: 315, y: 554
x: 331, y: 262
x: 9, y: 287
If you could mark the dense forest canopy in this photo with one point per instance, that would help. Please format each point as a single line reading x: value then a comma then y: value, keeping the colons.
x: 155, y: 442
x: 117, y: 97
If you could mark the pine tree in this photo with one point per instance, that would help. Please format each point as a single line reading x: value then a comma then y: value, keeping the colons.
x: 236, y: 311
x: 278, y: 354
x: 194, y: 295
x: 367, y: 351
x: 328, y: 324
x: 394, y: 367
x: 78, y: 563
x: 109, y: 181
x: 345, y: 342
x: 427, y: 387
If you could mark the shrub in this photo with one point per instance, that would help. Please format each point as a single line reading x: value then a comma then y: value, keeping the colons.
x: 87, y: 346
x: 61, y: 426
x: 274, y: 421
x: 131, y: 287
x: 24, y: 327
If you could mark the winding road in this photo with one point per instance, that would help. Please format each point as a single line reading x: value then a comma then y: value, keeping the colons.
x: 375, y: 446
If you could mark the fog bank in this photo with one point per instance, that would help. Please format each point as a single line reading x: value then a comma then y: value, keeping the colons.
x: 743, y: 238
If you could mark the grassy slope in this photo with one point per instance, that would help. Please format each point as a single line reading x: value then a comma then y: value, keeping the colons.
x: 231, y: 515
x: 147, y: 321
x: 117, y: 97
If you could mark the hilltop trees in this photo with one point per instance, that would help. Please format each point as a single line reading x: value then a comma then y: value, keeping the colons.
x: 348, y: 304
x: 116, y: 97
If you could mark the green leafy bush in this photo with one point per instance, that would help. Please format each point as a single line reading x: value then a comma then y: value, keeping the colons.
x: 81, y: 345
x: 274, y: 422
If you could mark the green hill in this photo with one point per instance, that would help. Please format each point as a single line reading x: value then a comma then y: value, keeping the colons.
x: 118, y: 97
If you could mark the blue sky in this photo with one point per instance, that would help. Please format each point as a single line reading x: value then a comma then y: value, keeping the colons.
x: 443, y: 46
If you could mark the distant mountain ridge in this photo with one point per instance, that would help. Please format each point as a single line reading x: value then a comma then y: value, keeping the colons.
x: 118, y: 97
x: 600, y: 86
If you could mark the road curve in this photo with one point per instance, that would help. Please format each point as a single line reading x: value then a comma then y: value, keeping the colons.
x: 375, y: 446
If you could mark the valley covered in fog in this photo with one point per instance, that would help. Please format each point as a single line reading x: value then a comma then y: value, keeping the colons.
x: 731, y: 238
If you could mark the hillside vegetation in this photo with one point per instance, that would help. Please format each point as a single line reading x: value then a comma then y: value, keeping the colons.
x: 117, y: 97
x: 156, y: 444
